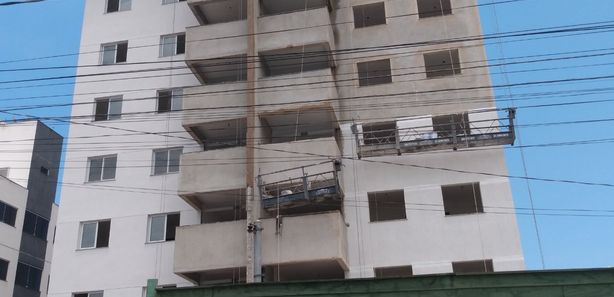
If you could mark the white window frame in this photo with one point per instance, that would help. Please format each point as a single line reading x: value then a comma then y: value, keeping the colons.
x: 175, y: 43
x: 176, y: 100
x: 113, y: 44
x: 111, y: 99
x: 168, y: 159
x: 149, y: 219
x: 89, y: 164
x: 80, y: 246
x: 120, y: 8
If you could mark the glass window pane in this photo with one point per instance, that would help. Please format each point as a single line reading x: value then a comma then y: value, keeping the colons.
x: 174, y: 160
x: 97, y: 294
x: 102, y: 110
x: 108, y: 54
x: 95, y: 169
x: 2, y: 209
x: 41, y: 228
x: 156, y: 228
x: 29, y: 223
x: 21, y: 277
x: 164, y: 101
x: 104, y: 231
x: 125, y: 5
x: 168, y: 44
x: 34, y: 278
x: 10, y: 214
x: 180, y: 44
x: 122, y: 52
x: 177, y: 99
x: 160, y: 162
x: 4, y: 267
x: 172, y: 222
x: 110, y: 163
x: 88, y: 235
x: 115, y: 108
x: 112, y: 5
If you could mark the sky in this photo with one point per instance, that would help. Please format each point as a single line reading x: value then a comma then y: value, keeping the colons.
x: 572, y: 232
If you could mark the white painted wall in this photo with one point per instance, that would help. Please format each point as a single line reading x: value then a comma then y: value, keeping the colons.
x: 15, y: 195
x: 123, y: 268
x: 18, y: 143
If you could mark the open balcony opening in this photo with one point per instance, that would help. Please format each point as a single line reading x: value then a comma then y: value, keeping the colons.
x: 221, y: 70
x: 219, y: 11
x: 221, y: 134
x: 298, y: 125
x: 221, y: 206
x: 296, y: 59
x: 273, y: 7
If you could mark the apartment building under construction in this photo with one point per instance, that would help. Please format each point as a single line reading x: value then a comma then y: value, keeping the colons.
x: 280, y: 140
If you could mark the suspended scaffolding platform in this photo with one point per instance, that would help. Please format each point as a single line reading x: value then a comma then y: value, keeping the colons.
x: 303, y: 189
x: 476, y: 128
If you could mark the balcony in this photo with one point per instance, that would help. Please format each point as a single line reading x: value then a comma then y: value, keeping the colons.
x: 213, y: 41
x: 302, y: 247
x: 301, y: 190
x: 295, y: 29
x: 298, y: 91
x: 289, y: 155
x: 476, y: 128
x: 200, y: 175
x: 218, y: 11
x: 213, y: 103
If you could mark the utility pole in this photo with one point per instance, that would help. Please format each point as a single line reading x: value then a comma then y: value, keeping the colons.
x: 251, y: 205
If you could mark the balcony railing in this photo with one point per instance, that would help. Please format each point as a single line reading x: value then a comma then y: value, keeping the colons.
x: 305, y: 190
x: 475, y: 128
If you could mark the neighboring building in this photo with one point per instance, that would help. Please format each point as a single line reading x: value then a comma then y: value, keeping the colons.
x: 31, y: 158
x: 315, y: 139
x: 13, y: 199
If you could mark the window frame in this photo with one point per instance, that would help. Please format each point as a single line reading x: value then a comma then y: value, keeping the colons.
x: 3, y: 214
x: 388, y: 77
x: 102, y: 179
x: 115, y: 45
x: 165, y: 215
x: 108, y: 115
x: 175, y: 36
x: 168, y: 160
x: 37, y: 219
x: 433, y: 14
x: 176, y: 96
x: 29, y: 267
x: 119, y: 7
x: 456, y: 66
x: 97, y: 222
x: 6, y: 269
x: 478, y: 201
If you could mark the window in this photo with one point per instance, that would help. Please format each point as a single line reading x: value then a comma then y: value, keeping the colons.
x: 95, y: 234
x: 35, y: 225
x: 396, y: 271
x: 386, y: 206
x: 45, y: 170
x: 462, y: 199
x: 443, y: 63
x: 171, y: 45
x: 374, y: 73
x: 4, y: 172
x: 369, y: 15
x: 28, y: 276
x: 162, y: 227
x: 432, y: 8
x: 89, y: 294
x: 169, y: 100
x: 109, y: 108
x: 166, y: 161
x: 479, y: 266
x: 379, y: 133
x: 171, y: 1
x: 118, y: 5
x: 7, y: 214
x: 114, y: 53
x: 4, y: 269
x: 448, y: 125
x: 102, y: 168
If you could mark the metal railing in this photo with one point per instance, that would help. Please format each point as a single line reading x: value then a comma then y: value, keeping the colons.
x: 450, y: 131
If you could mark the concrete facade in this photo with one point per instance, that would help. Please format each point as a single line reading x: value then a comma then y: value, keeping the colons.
x: 32, y: 160
x: 311, y: 108
x: 10, y: 236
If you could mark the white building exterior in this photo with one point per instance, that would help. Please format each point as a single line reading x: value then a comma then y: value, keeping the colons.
x: 15, y: 196
x: 411, y: 124
x: 29, y: 168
